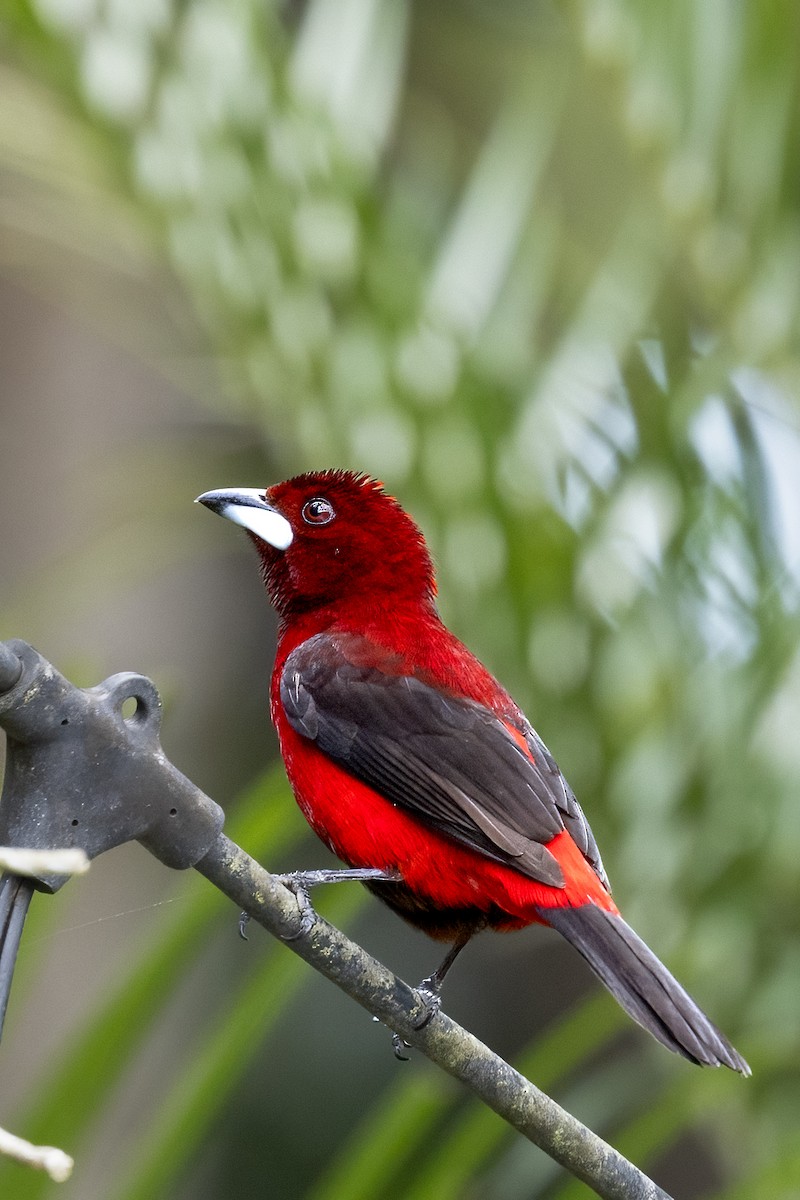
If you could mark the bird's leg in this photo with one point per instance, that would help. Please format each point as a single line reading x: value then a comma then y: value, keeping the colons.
x: 296, y: 880
x: 300, y: 883
x: 430, y: 990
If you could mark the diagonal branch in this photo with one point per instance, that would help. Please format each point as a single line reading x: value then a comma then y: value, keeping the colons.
x: 447, y: 1044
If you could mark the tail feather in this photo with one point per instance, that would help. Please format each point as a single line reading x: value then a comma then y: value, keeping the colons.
x: 643, y: 985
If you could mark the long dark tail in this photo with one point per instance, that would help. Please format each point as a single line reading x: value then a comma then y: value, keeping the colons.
x: 643, y: 985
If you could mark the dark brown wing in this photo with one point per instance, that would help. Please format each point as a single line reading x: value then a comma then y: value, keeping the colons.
x: 448, y: 760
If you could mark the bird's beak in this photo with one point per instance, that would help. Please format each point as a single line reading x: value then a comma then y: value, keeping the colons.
x: 247, y: 507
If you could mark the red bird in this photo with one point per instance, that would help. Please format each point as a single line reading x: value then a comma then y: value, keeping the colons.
x: 409, y: 759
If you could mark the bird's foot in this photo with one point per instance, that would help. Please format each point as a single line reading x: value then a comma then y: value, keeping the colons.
x: 430, y: 989
x: 298, y: 883
x: 430, y: 995
x: 244, y: 921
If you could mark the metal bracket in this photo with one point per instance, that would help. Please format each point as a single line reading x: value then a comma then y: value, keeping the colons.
x: 81, y: 771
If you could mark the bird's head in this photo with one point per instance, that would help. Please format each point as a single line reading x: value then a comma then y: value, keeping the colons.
x: 329, y: 536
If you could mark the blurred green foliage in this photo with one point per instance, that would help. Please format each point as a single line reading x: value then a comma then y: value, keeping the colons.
x: 536, y: 266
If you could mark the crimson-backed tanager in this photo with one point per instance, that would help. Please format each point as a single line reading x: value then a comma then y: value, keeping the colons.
x: 409, y: 759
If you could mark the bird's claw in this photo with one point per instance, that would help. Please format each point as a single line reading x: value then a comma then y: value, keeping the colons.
x: 431, y: 1001
x: 298, y: 883
x: 400, y: 1045
x: 244, y: 920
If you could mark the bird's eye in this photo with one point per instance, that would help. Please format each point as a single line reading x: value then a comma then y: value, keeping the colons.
x: 318, y: 511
